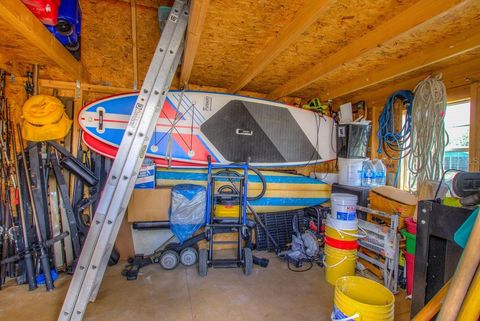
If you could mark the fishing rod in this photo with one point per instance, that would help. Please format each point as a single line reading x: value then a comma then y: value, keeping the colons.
x: 44, y: 259
x: 28, y: 259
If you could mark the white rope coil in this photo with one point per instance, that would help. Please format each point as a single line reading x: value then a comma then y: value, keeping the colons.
x: 429, y: 137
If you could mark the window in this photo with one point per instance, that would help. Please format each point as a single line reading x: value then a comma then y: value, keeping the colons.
x: 457, y: 125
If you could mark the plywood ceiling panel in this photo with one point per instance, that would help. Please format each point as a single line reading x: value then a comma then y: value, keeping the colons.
x: 235, y: 31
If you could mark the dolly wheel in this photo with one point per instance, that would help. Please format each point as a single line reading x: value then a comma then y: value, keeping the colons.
x: 203, y: 262
x: 188, y: 256
x: 247, y: 261
x: 169, y: 260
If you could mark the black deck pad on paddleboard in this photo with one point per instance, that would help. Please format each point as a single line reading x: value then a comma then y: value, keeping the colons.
x: 243, y: 130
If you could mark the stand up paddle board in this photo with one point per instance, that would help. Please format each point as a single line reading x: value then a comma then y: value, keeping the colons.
x: 230, y: 128
x: 284, y: 192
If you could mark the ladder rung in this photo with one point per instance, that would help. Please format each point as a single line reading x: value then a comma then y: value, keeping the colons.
x: 229, y: 177
x: 227, y: 195
x: 224, y: 242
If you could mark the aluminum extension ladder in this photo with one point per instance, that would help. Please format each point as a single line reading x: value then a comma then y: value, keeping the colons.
x: 118, y: 189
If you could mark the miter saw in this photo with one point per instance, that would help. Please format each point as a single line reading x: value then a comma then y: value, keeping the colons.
x: 305, y: 247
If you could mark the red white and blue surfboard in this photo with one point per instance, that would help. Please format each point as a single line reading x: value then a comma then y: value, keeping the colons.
x: 230, y: 128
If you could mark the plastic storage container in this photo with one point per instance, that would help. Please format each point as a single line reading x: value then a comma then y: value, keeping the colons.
x: 410, y: 262
x: 411, y: 240
x: 350, y: 171
x: 411, y: 225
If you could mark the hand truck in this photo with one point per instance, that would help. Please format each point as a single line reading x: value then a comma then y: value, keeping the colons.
x: 226, y: 175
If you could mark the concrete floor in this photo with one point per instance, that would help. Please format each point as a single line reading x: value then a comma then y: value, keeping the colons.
x: 274, y: 293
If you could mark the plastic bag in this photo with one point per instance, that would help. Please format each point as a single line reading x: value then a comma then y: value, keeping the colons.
x: 187, y: 212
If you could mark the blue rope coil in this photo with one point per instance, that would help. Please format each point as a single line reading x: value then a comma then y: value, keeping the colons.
x: 388, y: 138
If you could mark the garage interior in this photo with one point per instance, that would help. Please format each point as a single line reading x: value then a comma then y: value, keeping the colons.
x: 239, y: 160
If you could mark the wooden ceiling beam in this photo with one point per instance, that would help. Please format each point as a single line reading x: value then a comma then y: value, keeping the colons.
x: 20, y: 19
x: 154, y: 4
x: 198, y: 12
x: 395, y: 27
x: 444, y: 51
x: 454, y: 76
x: 304, y: 18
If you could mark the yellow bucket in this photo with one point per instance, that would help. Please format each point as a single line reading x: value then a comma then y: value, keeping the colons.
x: 353, y: 302
x: 338, y: 263
x: 341, y: 235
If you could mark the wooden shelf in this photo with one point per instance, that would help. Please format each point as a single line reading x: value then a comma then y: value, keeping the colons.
x: 25, y: 40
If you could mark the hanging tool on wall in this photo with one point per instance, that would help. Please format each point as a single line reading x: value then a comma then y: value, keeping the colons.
x: 43, y: 257
x: 28, y: 258
x: 59, y: 158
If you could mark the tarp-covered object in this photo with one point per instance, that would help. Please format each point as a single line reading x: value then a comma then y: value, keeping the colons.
x: 187, y: 213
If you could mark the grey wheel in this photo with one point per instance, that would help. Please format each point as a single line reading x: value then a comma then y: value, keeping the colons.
x: 169, y: 260
x: 203, y: 262
x: 247, y: 261
x: 188, y: 256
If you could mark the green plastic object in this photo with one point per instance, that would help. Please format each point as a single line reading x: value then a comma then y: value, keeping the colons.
x: 463, y: 233
x: 411, y: 240
x: 451, y: 201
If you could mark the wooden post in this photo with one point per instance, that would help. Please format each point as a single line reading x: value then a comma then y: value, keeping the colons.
x: 134, y: 43
x: 77, y: 106
x: 374, y: 139
x: 474, y: 145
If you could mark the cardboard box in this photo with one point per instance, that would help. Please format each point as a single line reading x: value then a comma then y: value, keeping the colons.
x: 124, y: 242
x: 149, y: 205
x: 146, y: 177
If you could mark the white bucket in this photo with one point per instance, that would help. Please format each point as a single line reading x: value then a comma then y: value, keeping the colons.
x: 350, y: 171
x: 348, y: 230
x: 344, y: 207
x: 341, y: 224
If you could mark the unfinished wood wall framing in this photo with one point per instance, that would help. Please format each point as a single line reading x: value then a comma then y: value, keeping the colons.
x: 108, y: 44
x: 474, y: 148
x: 236, y: 31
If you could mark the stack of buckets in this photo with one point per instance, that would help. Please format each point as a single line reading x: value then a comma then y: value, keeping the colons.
x: 410, y: 235
x: 341, y: 234
x: 358, y: 298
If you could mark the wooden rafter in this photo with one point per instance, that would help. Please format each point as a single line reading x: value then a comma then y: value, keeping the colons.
x: 453, y: 76
x: 20, y: 19
x: 310, y: 13
x: 198, y: 12
x: 397, y: 26
x: 446, y: 50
